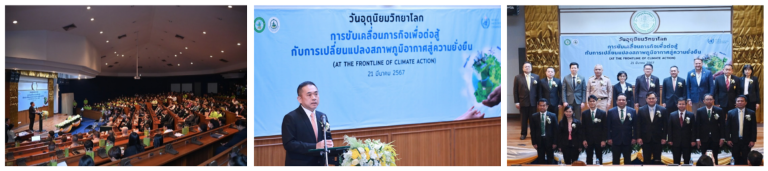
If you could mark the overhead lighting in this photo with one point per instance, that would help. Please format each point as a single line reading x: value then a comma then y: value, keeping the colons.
x: 222, y: 51
x: 179, y: 52
x: 89, y: 7
x: 230, y: 6
x: 178, y: 64
x: 101, y: 32
x: 203, y: 32
x: 238, y: 44
x: 191, y: 63
x: 174, y: 55
x: 139, y: 75
x: 106, y: 63
x: 15, y: 22
x: 115, y: 52
x: 123, y: 55
x: 186, y: 48
x: 91, y: 19
x: 211, y: 56
x: 107, y: 41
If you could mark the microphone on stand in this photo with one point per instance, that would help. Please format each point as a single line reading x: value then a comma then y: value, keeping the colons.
x: 325, y: 146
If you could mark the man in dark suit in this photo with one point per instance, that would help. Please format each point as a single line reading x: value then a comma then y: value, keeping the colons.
x: 644, y: 84
x: 594, y: 125
x: 681, y: 130
x: 621, y: 137
x: 741, y: 130
x: 302, y: 129
x: 32, y: 112
x: 710, y: 119
x: 543, y: 133
x: 239, y: 136
x: 699, y: 83
x: 550, y: 88
x: 674, y: 87
x: 651, y: 120
x: 726, y: 89
x: 525, y: 95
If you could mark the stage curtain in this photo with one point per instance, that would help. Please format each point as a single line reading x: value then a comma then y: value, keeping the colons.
x: 747, y: 30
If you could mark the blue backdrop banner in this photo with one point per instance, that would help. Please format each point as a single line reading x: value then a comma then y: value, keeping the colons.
x: 376, y: 66
x: 630, y: 52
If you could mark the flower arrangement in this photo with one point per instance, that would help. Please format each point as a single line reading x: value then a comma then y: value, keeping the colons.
x: 368, y: 153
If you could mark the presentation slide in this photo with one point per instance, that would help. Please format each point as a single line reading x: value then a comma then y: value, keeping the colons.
x: 25, y: 97
x: 376, y: 66
x: 629, y: 53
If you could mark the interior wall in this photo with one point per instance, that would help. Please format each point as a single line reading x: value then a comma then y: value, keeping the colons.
x: 515, y: 40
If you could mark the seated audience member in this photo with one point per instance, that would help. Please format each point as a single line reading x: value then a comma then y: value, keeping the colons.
x: 705, y: 160
x: 75, y: 142
x: 115, y: 154
x: 238, y: 160
x: 134, y: 145
x: 755, y: 158
x: 86, y: 161
x: 157, y: 140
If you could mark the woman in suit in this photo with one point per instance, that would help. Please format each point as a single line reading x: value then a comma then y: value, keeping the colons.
x: 622, y: 87
x: 570, y: 138
x: 752, y: 86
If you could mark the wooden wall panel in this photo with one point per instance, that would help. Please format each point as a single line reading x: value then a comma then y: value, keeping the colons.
x: 465, y: 143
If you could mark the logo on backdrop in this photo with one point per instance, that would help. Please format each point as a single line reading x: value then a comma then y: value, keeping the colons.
x: 274, y: 25
x: 644, y: 21
x: 567, y: 42
x: 259, y: 24
x: 485, y: 22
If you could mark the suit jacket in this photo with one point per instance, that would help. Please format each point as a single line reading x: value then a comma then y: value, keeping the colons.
x: 643, y: 88
x: 299, y: 138
x: 628, y: 93
x: 594, y: 131
x: 551, y: 127
x: 527, y: 97
x: 621, y: 133
x: 651, y: 131
x: 239, y: 136
x: 577, y: 95
x: 681, y: 135
x: 732, y: 126
x: 710, y: 125
x: 753, y: 89
x: 157, y: 141
x: 552, y: 94
x: 577, y: 133
x: 697, y: 90
x: 726, y: 97
x: 670, y: 96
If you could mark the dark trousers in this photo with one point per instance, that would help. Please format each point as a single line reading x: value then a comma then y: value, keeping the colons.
x: 525, y: 113
x: 740, y: 151
x: 682, y: 149
x: 570, y: 153
x: 651, y: 151
x: 713, y: 145
x: 545, y: 149
x: 595, y: 149
x: 622, y: 150
x: 31, y: 121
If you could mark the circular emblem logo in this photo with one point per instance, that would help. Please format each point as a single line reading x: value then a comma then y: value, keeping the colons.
x: 644, y: 21
x: 259, y: 24
x: 567, y: 42
x: 273, y: 25
x: 575, y: 42
x: 485, y: 22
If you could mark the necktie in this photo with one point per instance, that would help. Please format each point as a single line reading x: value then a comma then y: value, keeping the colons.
x: 648, y: 81
x: 543, y: 124
x: 652, y: 114
x: 593, y: 115
x: 550, y: 84
x: 681, y: 118
x: 674, y: 82
x: 622, y: 115
x: 709, y: 114
x: 741, y: 123
x: 728, y: 83
x: 574, y: 83
x: 314, y: 123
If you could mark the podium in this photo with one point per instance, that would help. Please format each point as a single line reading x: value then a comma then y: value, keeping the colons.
x: 334, y: 154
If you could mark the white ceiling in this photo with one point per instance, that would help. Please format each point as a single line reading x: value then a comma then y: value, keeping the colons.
x: 152, y: 29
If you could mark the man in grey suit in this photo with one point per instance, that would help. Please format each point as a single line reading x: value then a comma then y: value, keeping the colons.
x: 644, y: 84
x: 574, y: 90
x: 525, y: 95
